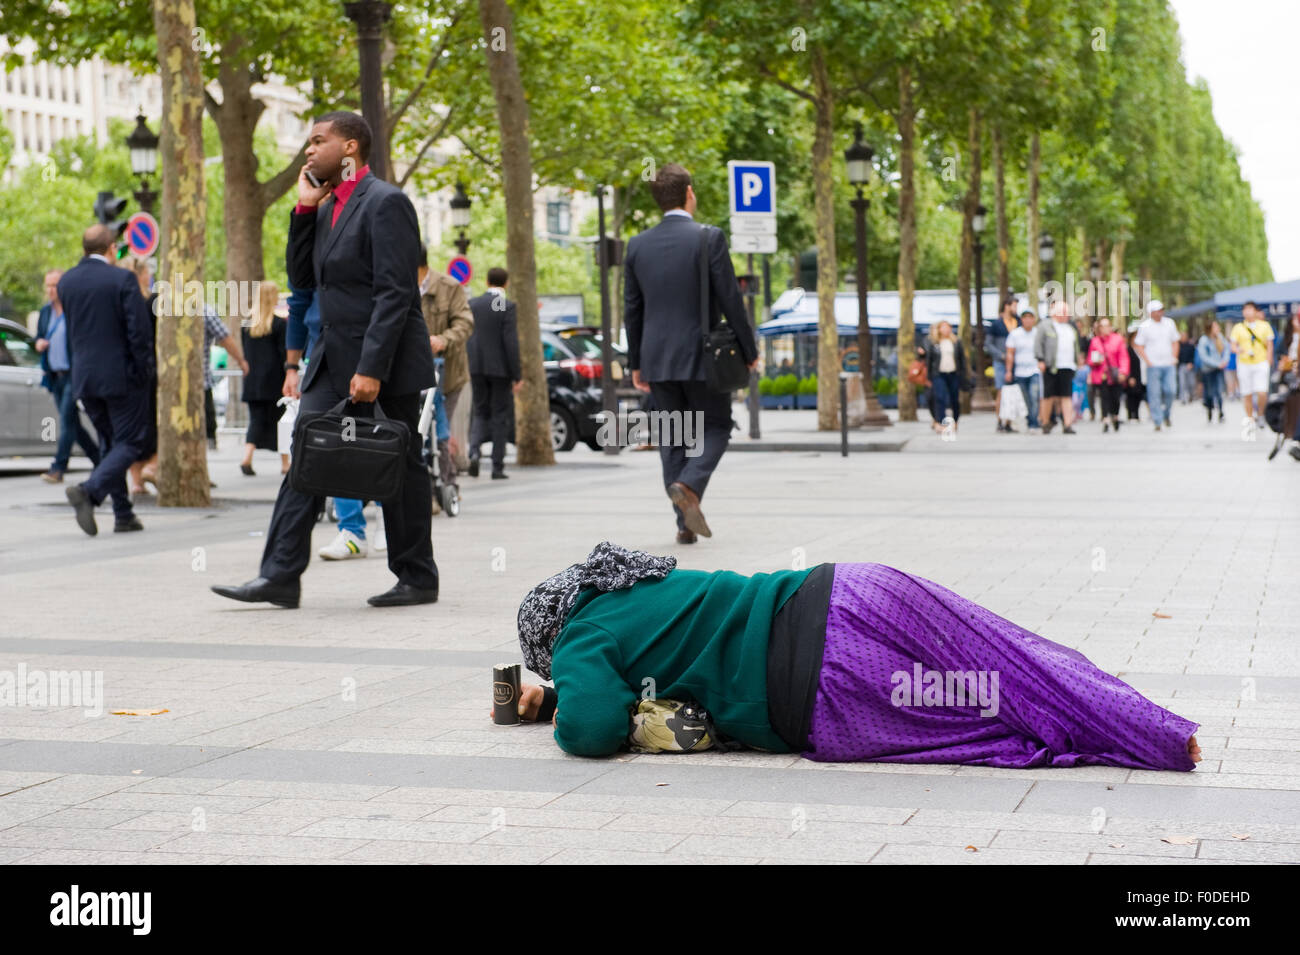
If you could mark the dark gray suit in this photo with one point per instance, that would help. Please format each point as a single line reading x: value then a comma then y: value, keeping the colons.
x: 661, y: 304
x: 493, y: 367
x: 363, y: 269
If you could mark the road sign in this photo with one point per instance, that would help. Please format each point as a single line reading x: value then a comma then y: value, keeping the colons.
x: 746, y: 242
x: 752, y: 186
x: 142, y: 234
x: 753, y: 225
x: 460, y: 269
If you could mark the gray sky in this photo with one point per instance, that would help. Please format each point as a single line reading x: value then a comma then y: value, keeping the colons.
x: 1246, y: 51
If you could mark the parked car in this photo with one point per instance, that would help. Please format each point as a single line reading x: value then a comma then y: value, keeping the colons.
x: 26, y: 409
x: 574, y: 362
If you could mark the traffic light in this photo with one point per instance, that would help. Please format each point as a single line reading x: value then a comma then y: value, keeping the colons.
x: 108, y: 210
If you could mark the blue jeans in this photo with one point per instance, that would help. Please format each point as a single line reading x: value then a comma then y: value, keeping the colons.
x: 70, y: 426
x: 1162, y: 387
x: 1030, y: 387
x: 351, y: 515
x: 1213, y: 383
x: 945, y: 396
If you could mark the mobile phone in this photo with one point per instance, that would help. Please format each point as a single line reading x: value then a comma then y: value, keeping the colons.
x: 312, y: 179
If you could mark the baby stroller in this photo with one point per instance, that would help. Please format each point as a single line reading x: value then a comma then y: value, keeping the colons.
x: 435, y: 433
x: 1282, y: 412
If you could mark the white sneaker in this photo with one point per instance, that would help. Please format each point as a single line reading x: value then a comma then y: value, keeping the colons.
x: 344, y: 547
x: 381, y: 539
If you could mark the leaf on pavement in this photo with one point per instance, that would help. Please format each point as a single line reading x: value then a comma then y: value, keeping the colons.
x: 1180, y: 840
x: 139, y: 712
x: 1162, y: 616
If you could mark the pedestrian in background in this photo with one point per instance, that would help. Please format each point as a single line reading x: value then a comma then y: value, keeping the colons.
x: 946, y: 364
x: 56, y: 362
x: 1213, y: 353
x: 1156, y: 344
x: 1252, y: 343
x: 263, y: 341
x: 145, y: 471
x: 495, y: 372
x: 1186, y: 368
x: 1134, y: 386
x: 1108, y: 370
x: 662, y: 291
x: 995, y: 346
x: 215, y: 331
x: 112, y: 355
x: 1023, y: 366
x: 1056, y: 347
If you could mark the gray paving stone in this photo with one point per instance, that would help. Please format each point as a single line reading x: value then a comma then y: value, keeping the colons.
x: 248, y: 844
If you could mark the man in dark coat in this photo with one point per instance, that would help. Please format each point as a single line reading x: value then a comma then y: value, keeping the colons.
x: 494, y: 371
x: 355, y: 239
x: 110, y: 345
x: 52, y: 343
x: 662, y: 314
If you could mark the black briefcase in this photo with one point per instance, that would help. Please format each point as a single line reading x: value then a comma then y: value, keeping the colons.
x: 340, y: 455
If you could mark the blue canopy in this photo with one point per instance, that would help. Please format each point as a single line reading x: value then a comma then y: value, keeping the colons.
x: 1275, y: 300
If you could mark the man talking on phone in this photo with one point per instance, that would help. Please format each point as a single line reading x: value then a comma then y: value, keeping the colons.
x: 355, y: 239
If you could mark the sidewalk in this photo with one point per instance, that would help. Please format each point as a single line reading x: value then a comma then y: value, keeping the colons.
x: 340, y: 733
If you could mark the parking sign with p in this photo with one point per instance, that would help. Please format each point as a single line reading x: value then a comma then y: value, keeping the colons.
x: 752, y: 187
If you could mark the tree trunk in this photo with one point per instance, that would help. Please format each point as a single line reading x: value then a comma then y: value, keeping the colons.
x: 182, y: 453
x: 1004, y: 227
x: 243, y: 211
x: 966, y: 265
x: 1031, y: 237
x: 532, y: 405
x: 1119, y: 305
x: 828, y: 339
x: 906, y: 242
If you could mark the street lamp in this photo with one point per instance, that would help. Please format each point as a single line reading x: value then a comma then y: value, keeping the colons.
x: 1094, y: 271
x: 1046, y: 253
x: 981, y: 400
x: 858, y: 160
x: 370, y: 17
x: 460, y: 204
x: 143, y: 145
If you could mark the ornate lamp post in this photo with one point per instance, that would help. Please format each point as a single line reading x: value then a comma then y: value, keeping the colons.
x: 982, y: 399
x: 143, y: 145
x: 460, y: 204
x: 858, y: 160
x: 1046, y: 253
x: 1094, y: 272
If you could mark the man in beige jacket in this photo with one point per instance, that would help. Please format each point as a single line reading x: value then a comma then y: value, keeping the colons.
x: 450, y: 322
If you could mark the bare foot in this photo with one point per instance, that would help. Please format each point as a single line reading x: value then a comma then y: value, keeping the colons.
x: 1194, y: 749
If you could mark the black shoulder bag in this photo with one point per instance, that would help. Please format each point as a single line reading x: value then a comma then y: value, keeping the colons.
x: 725, y: 369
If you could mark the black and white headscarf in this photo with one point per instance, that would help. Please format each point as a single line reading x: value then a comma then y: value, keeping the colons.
x: 607, y: 567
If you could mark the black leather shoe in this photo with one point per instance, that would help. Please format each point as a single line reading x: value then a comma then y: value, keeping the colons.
x: 121, y: 527
x: 261, y: 590
x: 473, y: 467
x: 688, y: 502
x: 404, y: 595
x: 686, y: 537
x: 84, y: 507
x: 499, y: 475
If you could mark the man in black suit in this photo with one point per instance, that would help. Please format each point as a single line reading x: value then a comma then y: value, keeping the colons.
x: 356, y: 241
x: 52, y: 343
x: 494, y: 371
x: 110, y: 347
x: 665, y: 341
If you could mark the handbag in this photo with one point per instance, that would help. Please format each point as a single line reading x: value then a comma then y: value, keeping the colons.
x: 725, y: 369
x: 338, y: 455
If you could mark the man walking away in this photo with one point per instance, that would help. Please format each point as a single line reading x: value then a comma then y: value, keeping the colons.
x: 494, y: 371
x: 1252, y: 343
x: 110, y: 346
x: 662, y: 315
x: 52, y: 343
x: 1156, y: 344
